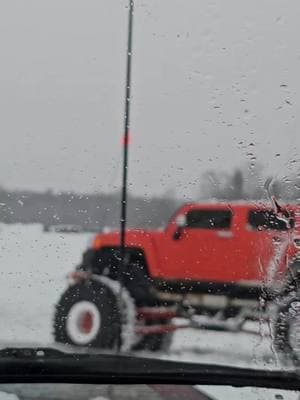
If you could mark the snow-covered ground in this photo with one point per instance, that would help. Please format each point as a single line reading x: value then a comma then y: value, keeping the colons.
x: 33, y: 269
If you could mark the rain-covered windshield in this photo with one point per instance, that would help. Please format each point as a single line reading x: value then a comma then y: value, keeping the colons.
x: 175, y: 122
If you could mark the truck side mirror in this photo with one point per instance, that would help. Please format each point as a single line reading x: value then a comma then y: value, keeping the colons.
x: 180, y: 224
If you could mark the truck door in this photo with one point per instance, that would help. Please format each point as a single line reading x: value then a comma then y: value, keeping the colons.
x: 265, y: 241
x: 203, y: 250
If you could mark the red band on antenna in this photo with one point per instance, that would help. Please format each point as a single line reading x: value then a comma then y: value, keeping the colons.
x: 126, y: 141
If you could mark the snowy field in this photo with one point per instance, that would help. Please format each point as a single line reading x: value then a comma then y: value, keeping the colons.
x: 34, y: 266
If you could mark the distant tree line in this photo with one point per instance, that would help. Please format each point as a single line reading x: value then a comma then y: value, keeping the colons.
x: 248, y: 183
x: 92, y: 212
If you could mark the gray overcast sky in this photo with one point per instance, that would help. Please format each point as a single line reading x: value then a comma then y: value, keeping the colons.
x: 209, y: 79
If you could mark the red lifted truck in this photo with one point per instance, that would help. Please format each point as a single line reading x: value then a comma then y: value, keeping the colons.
x: 215, y: 264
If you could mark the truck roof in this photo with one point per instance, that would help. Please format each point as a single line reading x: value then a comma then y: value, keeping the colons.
x: 238, y: 204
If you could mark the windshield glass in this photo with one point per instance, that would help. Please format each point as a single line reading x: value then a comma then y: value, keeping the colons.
x: 117, y: 116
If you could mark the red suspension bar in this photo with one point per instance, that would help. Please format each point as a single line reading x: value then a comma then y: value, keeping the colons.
x: 155, y: 313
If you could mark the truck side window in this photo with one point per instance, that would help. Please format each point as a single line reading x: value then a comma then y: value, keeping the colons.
x: 209, y: 219
x: 268, y: 220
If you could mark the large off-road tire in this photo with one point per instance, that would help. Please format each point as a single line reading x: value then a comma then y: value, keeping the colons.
x: 286, y: 330
x: 89, y: 314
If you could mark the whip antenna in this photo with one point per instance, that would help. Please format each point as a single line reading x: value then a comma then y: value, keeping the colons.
x: 123, y: 219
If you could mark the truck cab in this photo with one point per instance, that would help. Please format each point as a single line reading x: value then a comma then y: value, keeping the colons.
x: 220, y: 247
x: 224, y: 243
